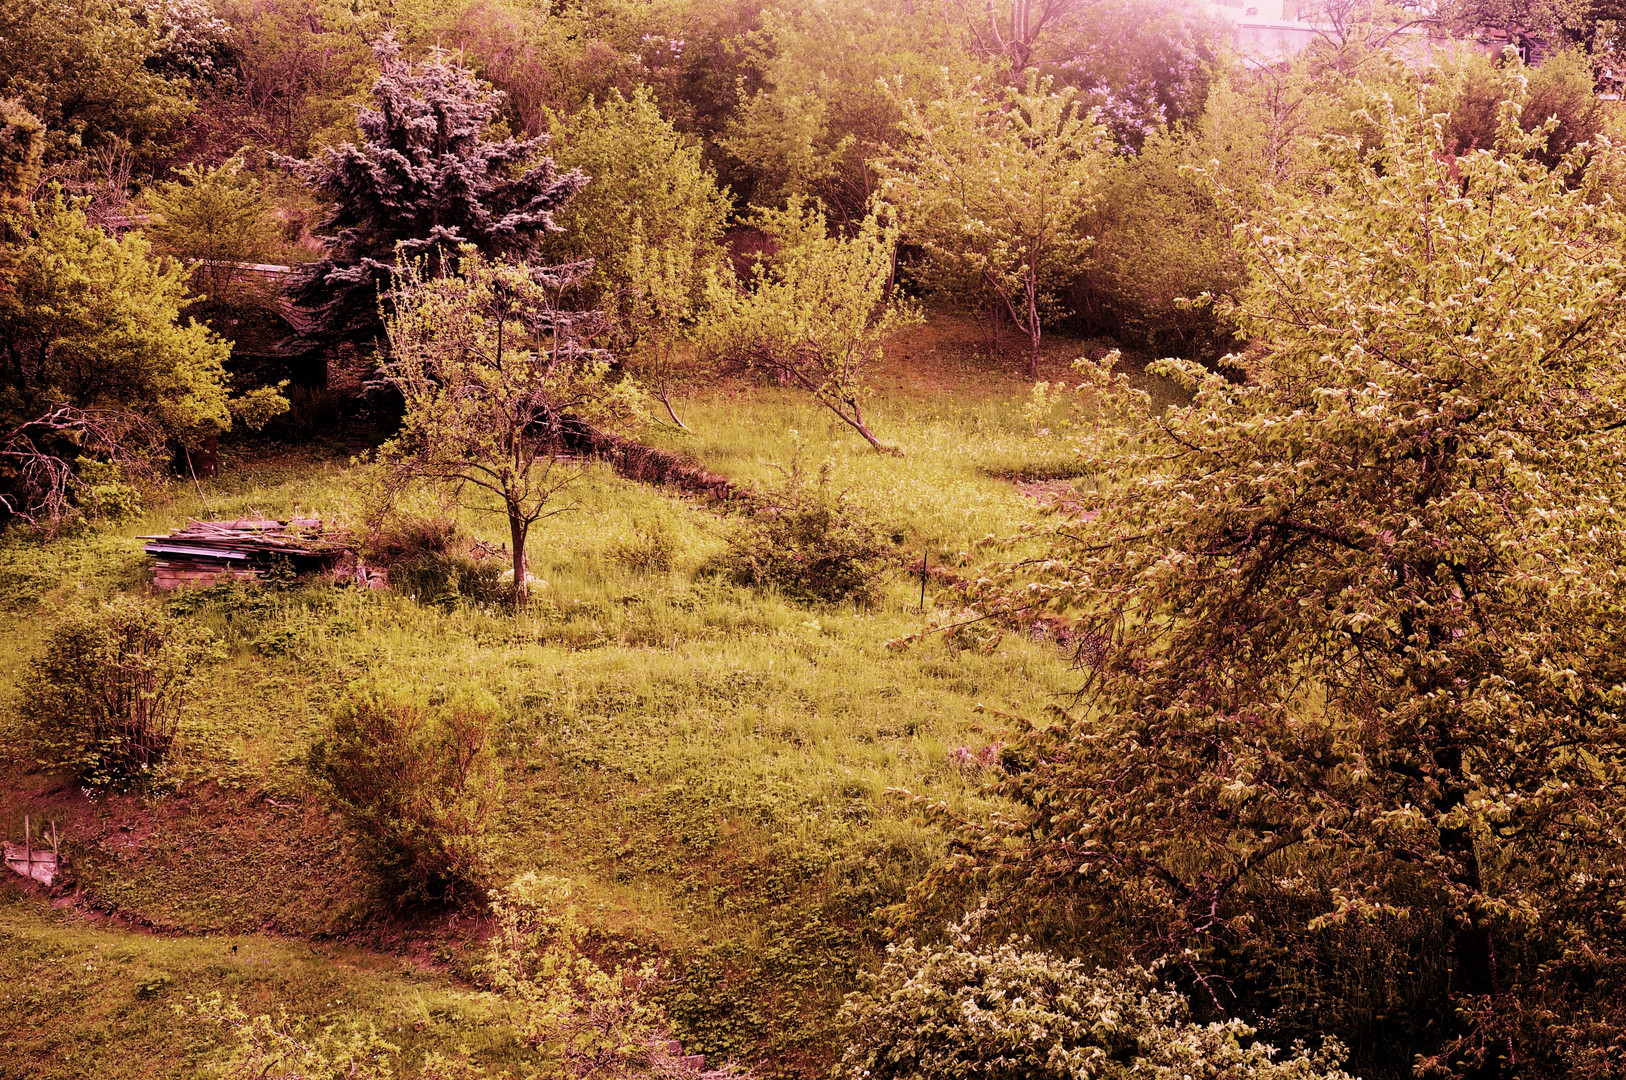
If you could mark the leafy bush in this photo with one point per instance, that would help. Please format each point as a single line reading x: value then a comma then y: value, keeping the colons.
x: 818, y: 314
x: 106, y: 492
x: 433, y: 559
x: 418, y: 786
x: 600, y: 1025
x: 1010, y: 1013
x: 650, y: 549
x: 812, y: 545
x: 105, y: 696
x: 284, y: 1047
x: 398, y: 537
x: 1160, y: 240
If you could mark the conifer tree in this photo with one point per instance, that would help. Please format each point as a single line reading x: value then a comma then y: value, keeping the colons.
x: 424, y: 181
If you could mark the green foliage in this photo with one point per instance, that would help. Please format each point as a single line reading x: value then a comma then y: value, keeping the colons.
x: 105, y: 696
x: 1010, y: 1012
x: 551, y: 65
x: 599, y: 1025
x: 215, y: 216
x: 1531, y: 23
x: 651, y: 220
x: 1160, y: 239
x: 83, y: 70
x: 431, y: 558
x: 995, y: 184
x: 1351, y: 625
x: 1263, y: 135
x: 274, y: 1047
x: 705, y: 763
x: 436, y: 578
x: 1145, y: 64
x: 817, y: 315
x: 810, y: 544
x: 300, y: 66
x: 97, y: 363
x: 821, y: 115
x: 396, y: 535
x: 22, y: 147
x: 94, y: 322
x: 649, y: 197
x: 284, y: 1047
x: 97, y: 357
x: 418, y: 785
x: 650, y: 549
x: 105, y: 491
x: 110, y: 995
x: 491, y: 370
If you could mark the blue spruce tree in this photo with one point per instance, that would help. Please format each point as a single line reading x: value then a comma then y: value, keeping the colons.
x: 424, y: 181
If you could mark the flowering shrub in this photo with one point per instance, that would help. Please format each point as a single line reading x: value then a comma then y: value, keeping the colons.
x: 600, y: 1025
x: 1009, y: 1012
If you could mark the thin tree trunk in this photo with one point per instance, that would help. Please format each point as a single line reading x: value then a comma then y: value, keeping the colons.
x: 518, y: 527
x: 1034, y: 329
x: 666, y: 399
x: 856, y: 422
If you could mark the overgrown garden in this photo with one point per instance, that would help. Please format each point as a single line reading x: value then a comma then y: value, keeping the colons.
x: 896, y: 540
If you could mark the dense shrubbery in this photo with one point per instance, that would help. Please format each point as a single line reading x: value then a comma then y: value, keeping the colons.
x: 105, y: 697
x: 811, y: 545
x: 1011, y: 1012
x: 418, y: 784
x: 434, y: 560
x: 95, y: 361
x: 1161, y: 241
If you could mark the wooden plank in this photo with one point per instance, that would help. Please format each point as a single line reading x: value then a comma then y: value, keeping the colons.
x: 30, y: 862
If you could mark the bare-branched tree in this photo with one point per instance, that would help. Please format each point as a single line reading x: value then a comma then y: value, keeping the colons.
x: 37, y: 458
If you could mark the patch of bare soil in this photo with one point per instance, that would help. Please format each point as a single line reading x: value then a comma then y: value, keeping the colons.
x: 952, y: 354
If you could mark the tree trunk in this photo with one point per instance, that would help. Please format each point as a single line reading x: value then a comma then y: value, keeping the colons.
x: 856, y: 422
x: 1473, y: 944
x: 666, y: 399
x: 518, y: 527
x: 1034, y: 329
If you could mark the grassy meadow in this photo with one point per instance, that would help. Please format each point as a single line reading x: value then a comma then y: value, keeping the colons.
x: 712, y: 769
